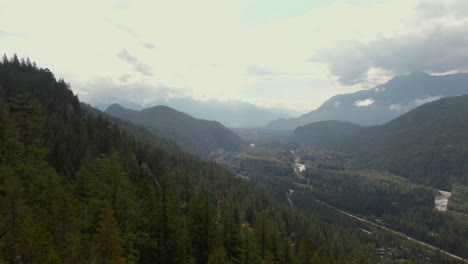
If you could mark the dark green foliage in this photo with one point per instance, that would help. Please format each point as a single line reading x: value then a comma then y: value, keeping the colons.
x: 384, y: 198
x: 201, y: 231
x: 319, y: 133
x: 428, y: 145
x: 108, y: 242
x: 369, y: 192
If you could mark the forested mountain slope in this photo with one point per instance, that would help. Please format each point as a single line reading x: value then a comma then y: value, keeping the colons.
x: 198, y: 136
x: 428, y: 145
x: 77, y: 188
x: 383, y: 103
x: 319, y: 133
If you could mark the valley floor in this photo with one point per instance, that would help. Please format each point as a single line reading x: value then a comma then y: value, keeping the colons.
x: 321, y: 180
x: 440, y: 201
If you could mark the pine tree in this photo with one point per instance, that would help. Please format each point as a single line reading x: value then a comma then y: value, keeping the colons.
x: 108, y: 241
x: 305, y: 254
x: 11, y: 208
x: 34, y: 244
x: 201, y: 228
x: 29, y: 115
x: 4, y: 59
x: 15, y: 61
x: 231, y: 231
x: 286, y: 252
x: 262, y: 234
x: 248, y: 252
x: 168, y: 224
x: 218, y: 256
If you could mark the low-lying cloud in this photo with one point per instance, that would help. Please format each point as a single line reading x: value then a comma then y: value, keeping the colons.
x: 421, y: 101
x: 364, y: 103
x: 401, y: 108
x: 104, y: 91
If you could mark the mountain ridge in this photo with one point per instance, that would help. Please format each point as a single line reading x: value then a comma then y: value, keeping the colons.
x: 383, y: 102
x: 321, y: 132
x: 191, y: 134
x: 231, y: 113
x: 428, y: 145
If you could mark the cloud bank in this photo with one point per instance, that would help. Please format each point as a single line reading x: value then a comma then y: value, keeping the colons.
x: 216, y: 53
x: 102, y: 91
x: 435, y: 42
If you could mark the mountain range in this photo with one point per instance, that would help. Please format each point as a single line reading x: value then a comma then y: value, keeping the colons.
x: 232, y: 113
x: 428, y: 145
x: 382, y: 103
x: 198, y: 136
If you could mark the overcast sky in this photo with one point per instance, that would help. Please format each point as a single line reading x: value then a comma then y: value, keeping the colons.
x: 292, y: 54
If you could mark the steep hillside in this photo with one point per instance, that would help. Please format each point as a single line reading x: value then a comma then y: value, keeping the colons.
x: 382, y: 103
x: 322, y: 132
x: 428, y: 145
x: 194, y: 135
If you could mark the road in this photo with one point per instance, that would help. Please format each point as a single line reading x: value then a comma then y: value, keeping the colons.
x: 299, y: 173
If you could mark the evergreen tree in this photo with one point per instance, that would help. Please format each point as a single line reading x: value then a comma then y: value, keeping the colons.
x: 108, y: 241
x: 306, y: 252
x: 168, y: 224
x: 201, y: 227
x: 248, y: 252
x: 11, y: 209
x: 34, y: 244
x: 218, y: 256
x: 231, y: 231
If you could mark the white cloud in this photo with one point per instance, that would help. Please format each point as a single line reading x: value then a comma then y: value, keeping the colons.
x: 364, y: 103
x: 406, y: 46
x: 108, y: 91
x: 421, y: 101
x: 396, y: 107
x: 205, y: 49
x: 380, y: 89
x: 402, y: 108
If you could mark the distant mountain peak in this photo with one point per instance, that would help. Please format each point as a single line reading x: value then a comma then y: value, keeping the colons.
x: 160, y: 107
x: 116, y: 109
x: 198, y: 136
x: 115, y: 106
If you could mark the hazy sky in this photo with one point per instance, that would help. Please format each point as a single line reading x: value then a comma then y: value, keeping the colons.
x: 293, y: 54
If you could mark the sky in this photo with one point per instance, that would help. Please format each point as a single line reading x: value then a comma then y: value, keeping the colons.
x: 290, y: 54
